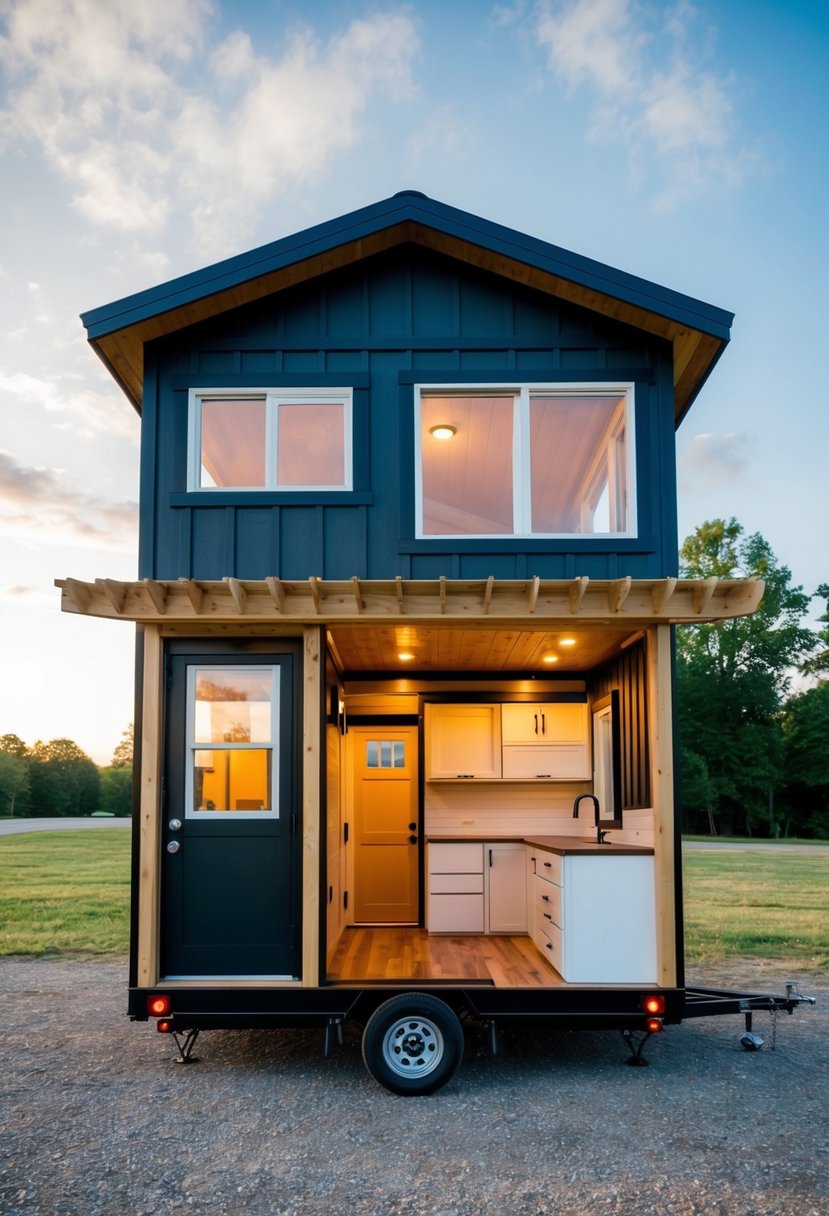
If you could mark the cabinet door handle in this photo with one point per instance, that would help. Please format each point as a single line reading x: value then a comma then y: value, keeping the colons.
x: 543, y: 724
x: 535, y: 716
x: 490, y: 859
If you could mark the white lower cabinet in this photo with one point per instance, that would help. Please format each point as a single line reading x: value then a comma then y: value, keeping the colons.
x: 477, y: 887
x: 592, y: 916
x: 455, y: 894
x: 506, y: 887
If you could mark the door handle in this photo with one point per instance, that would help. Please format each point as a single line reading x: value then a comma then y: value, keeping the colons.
x: 174, y: 846
x: 412, y: 827
x: 174, y: 825
x: 412, y: 840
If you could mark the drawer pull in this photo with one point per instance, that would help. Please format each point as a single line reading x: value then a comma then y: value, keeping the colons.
x: 547, y: 916
x: 547, y: 944
x: 548, y: 864
x: 546, y: 898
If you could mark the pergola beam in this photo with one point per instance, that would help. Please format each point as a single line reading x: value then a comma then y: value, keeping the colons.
x: 545, y: 602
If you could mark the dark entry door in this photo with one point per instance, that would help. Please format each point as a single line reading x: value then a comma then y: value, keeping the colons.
x: 230, y: 881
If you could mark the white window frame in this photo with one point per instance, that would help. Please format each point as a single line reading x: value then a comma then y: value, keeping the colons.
x: 521, y: 480
x: 193, y: 746
x: 274, y: 397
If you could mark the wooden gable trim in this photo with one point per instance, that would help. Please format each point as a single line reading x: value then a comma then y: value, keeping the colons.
x: 694, y: 351
x: 634, y: 602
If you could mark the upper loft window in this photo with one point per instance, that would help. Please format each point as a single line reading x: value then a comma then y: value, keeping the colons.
x: 528, y: 461
x: 286, y: 439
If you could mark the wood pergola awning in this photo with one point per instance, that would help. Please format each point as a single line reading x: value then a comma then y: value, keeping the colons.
x: 628, y: 601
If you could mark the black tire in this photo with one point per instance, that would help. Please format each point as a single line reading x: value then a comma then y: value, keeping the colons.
x: 413, y: 1043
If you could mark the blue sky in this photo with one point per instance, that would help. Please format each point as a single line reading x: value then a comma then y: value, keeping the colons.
x: 683, y: 142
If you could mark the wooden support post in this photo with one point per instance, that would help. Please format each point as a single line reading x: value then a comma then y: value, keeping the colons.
x: 77, y: 593
x: 490, y: 583
x: 238, y: 595
x: 312, y: 742
x: 576, y: 592
x: 277, y: 591
x: 149, y: 810
x: 661, y: 592
x: 442, y: 591
x: 194, y: 593
x: 115, y: 591
x: 701, y: 594
x: 532, y: 596
x: 660, y: 718
x: 157, y: 593
x: 617, y: 593
x: 358, y: 595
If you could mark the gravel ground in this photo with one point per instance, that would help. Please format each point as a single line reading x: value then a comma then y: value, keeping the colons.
x: 98, y: 1120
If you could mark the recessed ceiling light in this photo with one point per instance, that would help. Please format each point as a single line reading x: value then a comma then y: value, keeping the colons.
x: 551, y: 658
x: 567, y: 642
x: 404, y: 656
x: 443, y: 430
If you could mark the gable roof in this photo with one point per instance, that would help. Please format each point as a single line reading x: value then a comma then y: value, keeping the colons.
x: 698, y: 332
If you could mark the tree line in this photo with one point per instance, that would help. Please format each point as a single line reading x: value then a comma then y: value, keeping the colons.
x: 753, y: 699
x: 58, y: 778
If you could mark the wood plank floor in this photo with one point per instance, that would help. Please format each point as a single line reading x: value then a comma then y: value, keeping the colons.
x: 413, y: 954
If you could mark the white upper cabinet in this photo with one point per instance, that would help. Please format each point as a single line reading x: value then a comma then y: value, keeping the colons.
x: 463, y: 742
x: 546, y: 741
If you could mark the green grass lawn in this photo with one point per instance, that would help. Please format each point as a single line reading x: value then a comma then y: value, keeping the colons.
x: 757, y: 905
x: 65, y: 892
x: 68, y: 893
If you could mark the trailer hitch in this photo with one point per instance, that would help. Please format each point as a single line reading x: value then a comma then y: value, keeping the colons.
x: 794, y: 997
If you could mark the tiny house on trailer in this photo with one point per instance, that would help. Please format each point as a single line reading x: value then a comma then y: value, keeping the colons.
x: 405, y: 608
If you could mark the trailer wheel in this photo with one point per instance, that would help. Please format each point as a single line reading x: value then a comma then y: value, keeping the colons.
x: 413, y: 1043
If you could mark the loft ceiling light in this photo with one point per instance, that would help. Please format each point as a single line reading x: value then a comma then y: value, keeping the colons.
x: 567, y: 641
x: 405, y: 656
x: 550, y: 658
x: 443, y: 431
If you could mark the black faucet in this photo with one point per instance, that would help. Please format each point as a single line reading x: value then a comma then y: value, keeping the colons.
x: 600, y: 834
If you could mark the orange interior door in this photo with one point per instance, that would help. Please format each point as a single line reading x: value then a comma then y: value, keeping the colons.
x: 384, y: 766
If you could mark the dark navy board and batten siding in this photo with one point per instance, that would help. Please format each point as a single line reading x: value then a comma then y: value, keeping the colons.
x: 392, y: 321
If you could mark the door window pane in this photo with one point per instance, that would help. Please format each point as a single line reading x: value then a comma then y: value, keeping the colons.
x: 385, y: 753
x: 467, y: 478
x: 233, y: 442
x: 233, y: 705
x: 311, y: 444
x: 232, y: 780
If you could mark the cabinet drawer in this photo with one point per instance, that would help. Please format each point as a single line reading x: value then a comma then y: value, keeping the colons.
x: 551, y: 944
x: 456, y: 914
x: 548, y: 866
x: 548, y: 907
x: 456, y: 858
x: 457, y: 884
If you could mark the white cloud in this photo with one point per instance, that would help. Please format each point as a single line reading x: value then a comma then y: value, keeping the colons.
x: 679, y: 117
x: 715, y: 460
x: 131, y: 106
x: 86, y: 412
x: 40, y: 504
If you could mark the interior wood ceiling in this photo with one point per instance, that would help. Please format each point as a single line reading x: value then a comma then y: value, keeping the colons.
x: 369, y: 648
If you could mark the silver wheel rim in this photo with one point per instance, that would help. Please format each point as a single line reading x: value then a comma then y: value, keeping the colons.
x: 413, y: 1047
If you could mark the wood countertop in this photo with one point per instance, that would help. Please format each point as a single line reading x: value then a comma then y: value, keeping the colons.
x: 563, y: 845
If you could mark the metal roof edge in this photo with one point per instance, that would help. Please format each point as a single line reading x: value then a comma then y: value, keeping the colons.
x: 417, y: 208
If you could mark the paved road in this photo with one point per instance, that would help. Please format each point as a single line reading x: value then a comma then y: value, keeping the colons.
x: 13, y: 827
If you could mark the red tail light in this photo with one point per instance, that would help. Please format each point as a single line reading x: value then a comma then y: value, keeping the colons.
x: 164, y: 1025
x: 654, y: 1005
x: 157, y: 1006
x: 653, y: 1025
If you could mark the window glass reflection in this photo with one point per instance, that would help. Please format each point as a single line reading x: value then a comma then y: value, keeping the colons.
x: 233, y: 706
